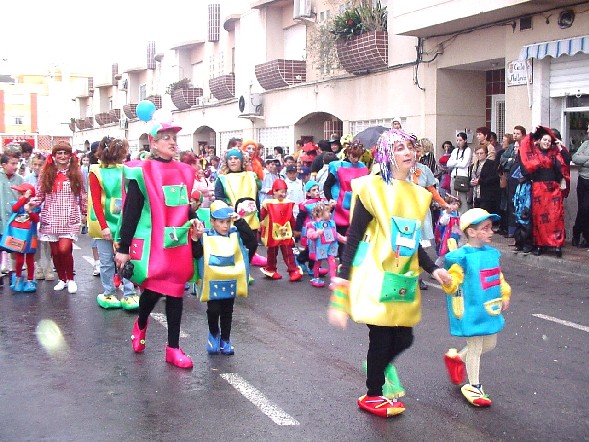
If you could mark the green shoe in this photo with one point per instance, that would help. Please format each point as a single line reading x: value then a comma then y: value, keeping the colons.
x: 130, y: 302
x: 392, y: 387
x: 108, y: 301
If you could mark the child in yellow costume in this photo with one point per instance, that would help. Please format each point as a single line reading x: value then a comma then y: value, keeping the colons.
x: 377, y: 283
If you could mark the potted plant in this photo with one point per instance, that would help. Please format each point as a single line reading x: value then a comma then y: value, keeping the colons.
x: 361, y: 38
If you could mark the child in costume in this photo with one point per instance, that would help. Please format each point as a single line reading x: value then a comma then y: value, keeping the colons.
x: 277, y: 232
x: 378, y: 279
x: 447, y: 233
x: 300, y: 230
x: 323, y: 241
x: 20, y: 236
x: 477, y: 294
x: 203, y: 214
x: 223, y: 266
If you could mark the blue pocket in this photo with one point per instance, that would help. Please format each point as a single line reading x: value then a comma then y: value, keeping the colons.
x: 360, y: 253
x: 347, y: 200
x: 405, y: 235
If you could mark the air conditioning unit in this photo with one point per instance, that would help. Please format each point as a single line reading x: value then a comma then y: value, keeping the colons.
x: 200, y: 101
x: 123, y: 122
x: 302, y: 9
x: 251, y: 104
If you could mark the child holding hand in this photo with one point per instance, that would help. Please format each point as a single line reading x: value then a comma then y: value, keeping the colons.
x: 20, y: 236
x: 323, y: 240
x: 477, y: 296
x: 447, y: 234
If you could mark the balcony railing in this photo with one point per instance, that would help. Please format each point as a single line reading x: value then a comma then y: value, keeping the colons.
x: 185, y: 98
x: 223, y: 87
x: 130, y: 110
x: 280, y: 73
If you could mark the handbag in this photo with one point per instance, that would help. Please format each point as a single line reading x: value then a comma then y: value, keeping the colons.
x: 461, y: 183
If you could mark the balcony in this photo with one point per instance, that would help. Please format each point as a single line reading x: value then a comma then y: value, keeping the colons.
x: 364, y: 52
x: 185, y: 98
x: 280, y: 73
x: 84, y: 123
x: 104, y: 118
x: 223, y: 87
x: 130, y: 110
x: 115, y: 115
x: 155, y: 99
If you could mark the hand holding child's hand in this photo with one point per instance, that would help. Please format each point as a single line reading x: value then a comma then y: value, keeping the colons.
x: 442, y: 276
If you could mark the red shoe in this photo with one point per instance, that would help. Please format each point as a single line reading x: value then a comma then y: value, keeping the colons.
x: 177, y: 357
x: 270, y: 274
x: 475, y: 395
x: 455, y: 366
x: 297, y: 275
x: 259, y: 261
x: 381, y: 406
x: 323, y: 272
x: 138, y: 337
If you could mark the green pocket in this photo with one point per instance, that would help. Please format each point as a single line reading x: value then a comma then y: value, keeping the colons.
x: 176, y: 195
x: 398, y: 288
x: 175, y: 236
x: 361, y: 252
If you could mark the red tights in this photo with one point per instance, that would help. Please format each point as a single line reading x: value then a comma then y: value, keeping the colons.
x: 63, y: 258
x: 20, y: 260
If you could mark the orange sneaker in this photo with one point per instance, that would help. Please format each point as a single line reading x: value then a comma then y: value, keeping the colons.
x: 381, y: 406
x: 455, y: 366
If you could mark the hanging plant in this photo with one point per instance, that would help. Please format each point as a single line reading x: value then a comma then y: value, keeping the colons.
x: 359, y: 20
x: 185, y: 83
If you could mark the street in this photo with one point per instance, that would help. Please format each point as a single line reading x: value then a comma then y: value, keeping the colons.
x: 293, y: 377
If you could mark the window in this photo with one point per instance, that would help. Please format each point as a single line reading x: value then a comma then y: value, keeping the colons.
x: 18, y: 121
x: 214, y: 22
x: 274, y: 136
x: 142, y: 91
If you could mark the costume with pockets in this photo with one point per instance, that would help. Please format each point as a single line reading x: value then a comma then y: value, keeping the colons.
x: 111, y: 199
x: 326, y: 244
x: 475, y: 299
x: 344, y: 172
x: 161, y: 240
x: 384, y: 274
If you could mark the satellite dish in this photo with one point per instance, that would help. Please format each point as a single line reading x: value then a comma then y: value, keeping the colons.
x: 241, y: 104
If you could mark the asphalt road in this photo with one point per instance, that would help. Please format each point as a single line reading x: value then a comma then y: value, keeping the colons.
x: 293, y: 377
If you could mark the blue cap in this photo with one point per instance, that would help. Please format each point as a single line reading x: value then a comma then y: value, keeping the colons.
x: 234, y: 153
x: 220, y: 210
x: 309, y: 184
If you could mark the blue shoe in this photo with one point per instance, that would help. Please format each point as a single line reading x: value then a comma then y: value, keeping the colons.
x: 227, y: 347
x: 18, y: 283
x: 30, y: 286
x: 213, y: 343
x: 304, y: 267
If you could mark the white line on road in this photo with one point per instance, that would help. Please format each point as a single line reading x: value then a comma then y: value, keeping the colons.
x: 271, y: 410
x: 161, y: 318
x: 89, y: 259
x: 76, y: 247
x: 562, y: 322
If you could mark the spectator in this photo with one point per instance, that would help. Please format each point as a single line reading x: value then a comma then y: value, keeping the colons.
x: 459, y: 164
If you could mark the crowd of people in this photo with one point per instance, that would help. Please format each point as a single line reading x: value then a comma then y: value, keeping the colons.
x: 371, y: 209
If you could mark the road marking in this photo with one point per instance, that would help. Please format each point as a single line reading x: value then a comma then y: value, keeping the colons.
x: 274, y: 412
x: 76, y: 247
x: 89, y: 259
x: 562, y: 322
x: 161, y: 318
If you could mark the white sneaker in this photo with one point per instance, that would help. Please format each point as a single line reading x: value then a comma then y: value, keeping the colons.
x: 72, y: 287
x: 96, y: 271
x: 60, y: 286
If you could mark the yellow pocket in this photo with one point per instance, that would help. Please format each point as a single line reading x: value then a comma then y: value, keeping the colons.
x: 493, y: 307
x: 457, y: 303
x: 281, y: 232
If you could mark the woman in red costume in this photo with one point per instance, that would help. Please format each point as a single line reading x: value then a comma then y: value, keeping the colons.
x: 543, y: 161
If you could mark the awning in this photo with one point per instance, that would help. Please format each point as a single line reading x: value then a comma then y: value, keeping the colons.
x: 556, y: 48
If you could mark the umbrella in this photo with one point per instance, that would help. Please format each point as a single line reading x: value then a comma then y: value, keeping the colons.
x: 369, y: 136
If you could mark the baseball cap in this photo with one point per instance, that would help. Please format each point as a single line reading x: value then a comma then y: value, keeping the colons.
x: 305, y: 170
x: 271, y: 159
x: 291, y: 168
x: 220, y: 210
x: 23, y: 187
x: 474, y: 216
x: 310, y: 184
x: 197, y: 195
x: 161, y: 127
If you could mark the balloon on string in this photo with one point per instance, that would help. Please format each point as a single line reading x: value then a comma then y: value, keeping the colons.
x: 145, y: 110
x: 163, y: 116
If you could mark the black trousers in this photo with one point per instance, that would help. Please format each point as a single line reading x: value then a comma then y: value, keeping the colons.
x: 220, y: 317
x: 147, y: 302
x: 581, y: 226
x: 385, y: 344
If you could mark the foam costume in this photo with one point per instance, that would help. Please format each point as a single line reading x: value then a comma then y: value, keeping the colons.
x: 111, y: 198
x: 163, y: 185
x: 238, y: 185
x: 344, y: 172
x: 224, y: 267
x: 306, y: 207
x: 326, y: 244
x: 276, y: 228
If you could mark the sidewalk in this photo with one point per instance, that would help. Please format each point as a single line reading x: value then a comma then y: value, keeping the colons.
x: 574, y: 260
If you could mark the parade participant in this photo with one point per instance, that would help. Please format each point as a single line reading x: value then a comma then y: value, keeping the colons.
x: 338, y: 186
x: 61, y: 193
x: 154, y: 233
x: 377, y: 283
x: 20, y: 236
x: 256, y: 163
x: 41, y: 271
x: 295, y: 191
x: 277, y: 232
x: 542, y: 160
x: 270, y: 176
x: 222, y: 251
x: 447, y: 232
x: 323, y: 241
x: 477, y: 294
x: 104, y: 210
x: 233, y: 183
x: 8, y: 178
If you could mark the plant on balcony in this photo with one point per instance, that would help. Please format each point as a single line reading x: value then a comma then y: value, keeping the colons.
x: 360, y: 20
x: 185, y: 83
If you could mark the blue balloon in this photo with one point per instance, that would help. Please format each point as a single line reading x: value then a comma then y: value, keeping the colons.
x: 145, y: 110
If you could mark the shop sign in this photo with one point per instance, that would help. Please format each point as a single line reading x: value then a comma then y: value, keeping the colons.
x: 516, y: 73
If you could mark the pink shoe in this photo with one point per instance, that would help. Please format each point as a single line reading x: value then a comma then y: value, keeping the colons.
x: 455, y: 366
x: 138, y: 337
x: 259, y: 261
x: 323, y: 272
x: 177, y: 357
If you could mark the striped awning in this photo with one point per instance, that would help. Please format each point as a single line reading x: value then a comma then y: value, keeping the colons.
x: 556, y: 48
